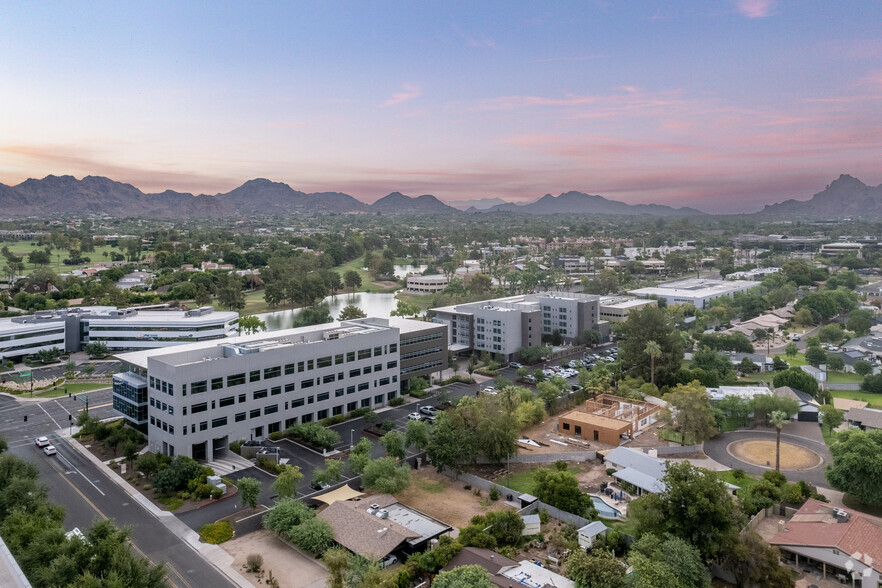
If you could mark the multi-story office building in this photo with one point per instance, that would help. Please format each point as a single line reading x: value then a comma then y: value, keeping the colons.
x: 504, y: 325
x: 195, y: 399
x: 617, y: 309
x: 120, y: 329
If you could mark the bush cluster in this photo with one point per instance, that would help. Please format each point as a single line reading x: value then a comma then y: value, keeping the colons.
x: 310, y: 433
x: 215, y: 533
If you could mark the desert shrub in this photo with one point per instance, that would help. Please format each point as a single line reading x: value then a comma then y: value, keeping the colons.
x: 217, y: 493
x: 776, y: 478
x: 397, y: 401
x: 254, y: 562
x: 269, y: 465
x: 236, y: 447
x: 215, y: 533
x: 494, y: 493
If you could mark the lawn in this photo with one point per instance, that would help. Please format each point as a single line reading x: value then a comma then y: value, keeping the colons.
x: 745, y: 482
x: 367, y: 282
x: 25, y: 247
x: 844, y: 377
x: 875, y: 400
x: 523, y: 481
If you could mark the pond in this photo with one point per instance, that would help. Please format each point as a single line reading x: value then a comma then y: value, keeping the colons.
x: 371, y: 304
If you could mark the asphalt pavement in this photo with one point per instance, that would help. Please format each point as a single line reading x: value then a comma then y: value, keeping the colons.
x: 88, y: 495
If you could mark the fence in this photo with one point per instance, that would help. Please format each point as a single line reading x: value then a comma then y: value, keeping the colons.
x: 841, y: 386
x: 670, y: 451
x: 478, y: 482
x: 548, y: 457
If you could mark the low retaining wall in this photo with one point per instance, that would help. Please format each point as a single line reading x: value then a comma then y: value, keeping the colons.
x: 548, y: 457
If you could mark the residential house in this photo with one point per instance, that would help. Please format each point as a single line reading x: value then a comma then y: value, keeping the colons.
x: 506, y: 573
x: 808, y: 406
x: 865, y: 419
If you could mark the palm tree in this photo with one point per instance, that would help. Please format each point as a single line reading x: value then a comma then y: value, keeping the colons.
x: 778, y: 418
x: 654, y: 351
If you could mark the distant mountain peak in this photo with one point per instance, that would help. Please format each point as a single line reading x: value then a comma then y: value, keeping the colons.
x: 574, y: 202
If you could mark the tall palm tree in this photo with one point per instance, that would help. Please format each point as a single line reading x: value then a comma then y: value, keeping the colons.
x: 654, y: 351
x: 778, y: 418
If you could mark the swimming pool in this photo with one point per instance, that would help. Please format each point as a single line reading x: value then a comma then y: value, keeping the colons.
x: 605, y: 510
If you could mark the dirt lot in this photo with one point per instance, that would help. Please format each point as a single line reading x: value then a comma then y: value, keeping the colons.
x: 445, y: 499
x: 762, y: 453
x: 290, y: 567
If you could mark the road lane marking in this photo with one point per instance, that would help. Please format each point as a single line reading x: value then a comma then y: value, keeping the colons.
x: 49, y: 415
x: 80, y: 473
x: 105, y: 517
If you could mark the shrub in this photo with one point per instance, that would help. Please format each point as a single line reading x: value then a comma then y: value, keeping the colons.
x: 560, y: 465
x: 314, y: 535
x: 397, y: 401
x: 216, y: 493
x: 610, y: 471
x: 776, y: 478
x: 236, y: 447
x: 215, y: 533
x: 285, y: 515
x: 467, y: 487
x: 387, y: 425
x: 477, y: 492
x: 494, y: 493
x: 177, y: 474
x: 203, y: 491
x: 254, y: 562
x: 269, y: 465
x: 544, y: 517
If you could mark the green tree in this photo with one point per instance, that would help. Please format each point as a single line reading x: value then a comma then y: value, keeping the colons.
x: 560, y: 489
x: 689, y: 411
x: 667, y: 561
x: 831, y: 417
x: 778, y: 419
x: 695, y: 506
x: 855, y: 469
x: 249, y: 491
x: 654, y: 351
x: 471, y: 576
x: 735, y: 407
x: 791, y: 350
x: 96, y: 349
x: 350, y: 312
x: 251, y: 324
x: 352, y: 279
x: 285, y: 484
x: 835, y: 363
x: 313, y: 315
x: 360, y: 455
x: 404, y: 308
x: 314, y: 535
x: 764, y: 405
x: 597, y: 570
x: 229, y: 291
x: 755, y: 563
x: 287, y: 513
x: 863, y: 367
x: 872, y: 384
x: 506, y: 526
x: 650, y: 324
x: 451, y: 446
x: 798, y: 380
x: 417, y: 434
x: 386, y: 476
x: 860, y: 322
x: 393, y: 443
x: 336, y: 559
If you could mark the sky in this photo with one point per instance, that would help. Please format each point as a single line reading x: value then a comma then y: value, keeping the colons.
x: 723, y: 105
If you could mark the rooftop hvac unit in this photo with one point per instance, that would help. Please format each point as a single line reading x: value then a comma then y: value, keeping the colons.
x: 382, y: 514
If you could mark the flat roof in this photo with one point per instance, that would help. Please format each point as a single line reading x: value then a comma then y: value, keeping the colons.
x: 264, y: 341
x: 586, y: 418
x: 695, y: 288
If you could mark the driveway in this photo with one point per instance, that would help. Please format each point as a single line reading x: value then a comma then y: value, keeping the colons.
x: 806, y: 435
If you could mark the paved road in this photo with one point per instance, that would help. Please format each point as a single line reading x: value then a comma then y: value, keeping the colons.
x: 88, y: 495
x: 716, y: 449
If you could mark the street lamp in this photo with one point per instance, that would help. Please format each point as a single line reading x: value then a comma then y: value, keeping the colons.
x: 351, y: 437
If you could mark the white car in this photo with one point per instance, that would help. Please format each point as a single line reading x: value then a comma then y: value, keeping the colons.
x: 414, y: 416
x: 388, y: 561
x: 49, y: 450
x: 490, y: 391
x: 41, y: 441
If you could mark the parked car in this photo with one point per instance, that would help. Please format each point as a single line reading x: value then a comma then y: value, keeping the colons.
x: 515, y: 365
x: 428, y: 410
x: 319, y: 486
x: 530, y: 378
x: 796, y: 338
x: 414, y: 416
x: 388, y: 561
x: 41, y: 441
x: 491, y: 391
x: 429, y: 419
x: 49, y: 450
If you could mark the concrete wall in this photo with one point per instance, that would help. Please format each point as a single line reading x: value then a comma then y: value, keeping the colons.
x: 549, y: 457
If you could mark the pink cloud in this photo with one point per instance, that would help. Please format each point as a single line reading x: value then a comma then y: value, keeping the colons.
x: 755, y: 8
x: 408, y: 93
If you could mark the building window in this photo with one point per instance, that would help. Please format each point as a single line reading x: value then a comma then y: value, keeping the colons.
x: 273, y: 408
x: 378, y: 351
x: 350, y: 356
x: 217, y: 383
x: 258, y: 394
x: 203, y: 426
x: 241, y: 397
x: 351, y: 406
x: 236, y: 379
x: 240, y: 417
x: 228, y: 401
x: 338, y: 359
x: 363, y: 386
x: 254, y: 376
x: 254, y: 413
x: 275, y: 391
x: 289, y: 387
x: 289, y: 369
x: 354, y: 373
x: 338, y: 410
x: 350, y: 389
x: 323, y: 396
x: 378, y: 399
x: 393, y: 347
x: 338, y: 392
x: 364, y: 354
x: 197, y: 408
x: 328, y: 379
x: 323, y: 362
x: 218, y: 422
x: 322, y: 414
x: 272, y: 372
x: 306, y: 384
x: 198, y: 387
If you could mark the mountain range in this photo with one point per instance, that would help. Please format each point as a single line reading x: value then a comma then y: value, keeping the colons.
x: 96, y: 195
x: 846, y: 196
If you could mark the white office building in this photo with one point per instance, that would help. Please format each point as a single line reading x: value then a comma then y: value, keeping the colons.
x: 504, y: 325
x: 120, y: 329
x: 698, y: 292
x: 195, y: 399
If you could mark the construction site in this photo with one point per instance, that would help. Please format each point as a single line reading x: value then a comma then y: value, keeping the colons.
x: 608, y: 419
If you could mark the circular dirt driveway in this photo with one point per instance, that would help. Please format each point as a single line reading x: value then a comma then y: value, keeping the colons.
x: 761, y: 452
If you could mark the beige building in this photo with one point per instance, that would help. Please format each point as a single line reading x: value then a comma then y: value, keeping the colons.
x: 607, y: 419
x: 616, y: 309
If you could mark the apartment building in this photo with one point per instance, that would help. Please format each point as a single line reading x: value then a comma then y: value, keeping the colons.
x: 195, y: 399
x: 120, y: 329
x: 504, y: 325
x: 617, y: 309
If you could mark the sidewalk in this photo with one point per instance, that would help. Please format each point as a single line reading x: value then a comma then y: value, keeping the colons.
x: 213, y: 554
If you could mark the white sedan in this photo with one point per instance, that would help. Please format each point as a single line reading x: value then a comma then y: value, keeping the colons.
x: 41, y: 441
x: 49, y: 450
x: 414, y: 416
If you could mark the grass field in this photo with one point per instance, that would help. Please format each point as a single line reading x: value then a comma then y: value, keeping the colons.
x: 799, y: 360
x: 875, y: 400
x: 23, y: 248
x: 523, y: 482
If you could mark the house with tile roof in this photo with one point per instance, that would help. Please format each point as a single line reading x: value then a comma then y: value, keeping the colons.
x: 837, y: 543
